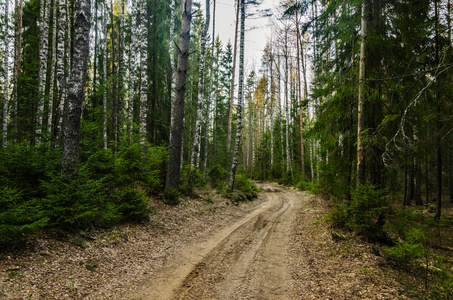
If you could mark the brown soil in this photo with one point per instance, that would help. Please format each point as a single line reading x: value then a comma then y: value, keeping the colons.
x: 275, y: 247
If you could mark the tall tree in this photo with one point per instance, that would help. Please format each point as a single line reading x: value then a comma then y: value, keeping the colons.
x: 197, y: 134
x: 240, y: 96
x: 6, y: 83
x: 143, y: 70
x: 76, y: 88
x: 177, y: 116
x: 61, y: 75
x: 361, y: 98
x: 43, y: 61
x: 230, y: 115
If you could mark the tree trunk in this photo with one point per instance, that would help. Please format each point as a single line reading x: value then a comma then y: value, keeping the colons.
x: 6, y: 83
x: 133, y: 63
x: 240, y: 96
x: 52, y: 69
x: 76, y: 85
x: 172, y: 56
x: 120, y: 75
x: 143, y: 71
x: 301, y: 119
x: 17, y: 60
x: 104, y: 76
x: 44, y: 11
x: 230, y: 114
x: 361, y: 105
x: 208, y: 102
x: 197, y: 135
x: 61, y: 78
x: 177, y: 117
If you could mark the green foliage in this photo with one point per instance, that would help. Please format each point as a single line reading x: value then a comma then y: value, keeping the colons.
x: 191, y: 179
x: 413, y: 248
x: 107, y: 189
x: 217, y: 175
x: 244, y: 184
x: 171, y: 196
x: 364, y: 214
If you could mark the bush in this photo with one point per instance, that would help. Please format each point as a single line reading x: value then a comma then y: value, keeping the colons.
x: 244, y: 184
x: 190, y: 179
x: 217, y: 175
x: 171, y: 196
x: 364, y: 214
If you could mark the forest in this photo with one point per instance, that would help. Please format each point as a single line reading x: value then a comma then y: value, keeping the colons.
x: 108, y: 105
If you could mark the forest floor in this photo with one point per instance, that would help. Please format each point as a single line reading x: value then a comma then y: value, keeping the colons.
x: 275, y: 247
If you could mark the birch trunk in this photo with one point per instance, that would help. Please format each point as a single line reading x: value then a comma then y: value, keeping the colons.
x: 6, y: 83
x: 362, y: 79
x: 120, y: 100
x: 53, y: 69
x: 104, y: 70
x: 288, y: 156
x: 17, y: 58
x: 230, y: 115
x: 177, y: 119
x: 143, y: 71
x: 197, y: 135
x: 61, y: 78
x: 208, y: 102
x: 76, y: 85
x: 133, y: 63
x: 272, y: 112
x: 172, y: 56
x: 43, y: 51
x: 240, y: 96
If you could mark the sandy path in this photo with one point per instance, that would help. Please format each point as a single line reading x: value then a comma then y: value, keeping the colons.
x: 245, y: 260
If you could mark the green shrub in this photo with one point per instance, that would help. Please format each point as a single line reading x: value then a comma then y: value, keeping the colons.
x: 190, y: 179
x: 18, y: 218
x: 171, y: 196
x: 364, y: 214
x: 217, y: 175
x: 412, y: 249
x: 244, y: 184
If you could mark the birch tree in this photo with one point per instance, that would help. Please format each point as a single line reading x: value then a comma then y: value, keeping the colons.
x: 6, y: 83
x: 133, y: 64
x: 76, y: 88
x: 177, y: 112
x: 361, y: 102
x: 197, y: 135
x: 43, y: 51
x: 104, y: 75
x: 61, y: 76
x: 52, y: 68
x: 240, y: 96
x: 143, y: 70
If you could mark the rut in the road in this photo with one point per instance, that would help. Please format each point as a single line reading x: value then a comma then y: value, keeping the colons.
x: 249, y: 262
x: 245, y: 260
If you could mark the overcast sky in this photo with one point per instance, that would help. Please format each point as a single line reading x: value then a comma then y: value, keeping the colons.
x: 255, y: 39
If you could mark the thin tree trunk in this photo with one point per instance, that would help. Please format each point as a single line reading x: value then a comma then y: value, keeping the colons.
x: 6, y: 83
x: 76, y: 85
x: 208, y: 102
x: 133, y: 71
x: 52, y: 69
x: 43, y: 52
x: 230, y: 114
x: 120, y: 75
x: 301, y: 119
x: 450, y: 169
x: 240, y: 96
x: 361, y: 106
x: 143, y: 71
x: 17, y: 60
x: 105, y: 90
x: 197, y: 135
x: 61, y: 78
x: 177, y: 118
x: 172, y: 56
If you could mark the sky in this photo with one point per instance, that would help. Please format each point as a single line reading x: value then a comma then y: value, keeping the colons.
x: 255, y: 39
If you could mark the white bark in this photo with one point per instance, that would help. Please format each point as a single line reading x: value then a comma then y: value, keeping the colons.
x: 61, y: 78
x: 133, y: 65
x: 6, y: 83
x: 208, y: 102
x: 76, y: 85
x: 104, y: 70
x: 143, y: 70
x: 53, y: 69
x: 240, y: 98
x: 43, y: 51
x: 172, y: 56
x: 197, y: 136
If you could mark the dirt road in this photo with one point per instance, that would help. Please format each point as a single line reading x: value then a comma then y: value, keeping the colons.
x: 245, y: 260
